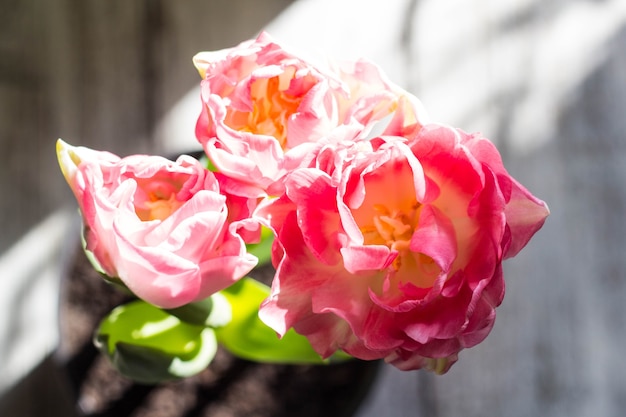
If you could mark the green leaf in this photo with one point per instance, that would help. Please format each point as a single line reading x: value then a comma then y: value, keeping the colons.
x: 149, y: 345
x: 248, y: 337
x: 204, y: 160
x: 214, y: 311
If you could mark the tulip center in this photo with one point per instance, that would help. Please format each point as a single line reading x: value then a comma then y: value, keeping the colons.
x: 393, y: 228
x: 274, y: 101
x: 156, y: 201
x: 162, y: 208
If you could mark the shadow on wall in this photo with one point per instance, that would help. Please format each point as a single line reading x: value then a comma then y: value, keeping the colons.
x: 98, y: 74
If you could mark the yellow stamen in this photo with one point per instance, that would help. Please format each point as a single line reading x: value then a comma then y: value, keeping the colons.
x: 392, y: 228
x: 159, y: 207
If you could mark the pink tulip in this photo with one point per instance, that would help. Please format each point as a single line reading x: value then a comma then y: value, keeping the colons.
x: 260, y: 102
x: 372, y: 98
x: 392, y: 248
x: 159, y: 226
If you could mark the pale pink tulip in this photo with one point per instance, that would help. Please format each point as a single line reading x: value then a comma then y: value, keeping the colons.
x: 159, y: 226
x: 258, y: 101
x: 261, y: 102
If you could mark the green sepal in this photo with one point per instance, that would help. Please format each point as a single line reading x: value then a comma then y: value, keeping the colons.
x: 213, y: 311
x: 149, y: 345
x: 248, y: 337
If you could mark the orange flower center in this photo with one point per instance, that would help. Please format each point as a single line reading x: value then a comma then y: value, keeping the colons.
x: 161, y: 208
x: 156, y: 200
x: 273, y: 105
x: 392, y: 228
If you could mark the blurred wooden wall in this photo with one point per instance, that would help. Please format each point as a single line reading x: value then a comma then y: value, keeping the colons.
x: 100, y: 74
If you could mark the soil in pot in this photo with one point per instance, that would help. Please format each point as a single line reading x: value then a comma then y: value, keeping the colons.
x: 229, y: 387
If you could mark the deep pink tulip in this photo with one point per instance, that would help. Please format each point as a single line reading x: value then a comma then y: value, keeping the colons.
x: 392, y: 248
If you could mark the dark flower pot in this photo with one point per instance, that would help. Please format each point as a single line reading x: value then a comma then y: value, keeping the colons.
x: 228, y: 387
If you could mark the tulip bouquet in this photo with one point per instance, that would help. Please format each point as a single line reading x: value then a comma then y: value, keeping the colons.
x: 386, y: 231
